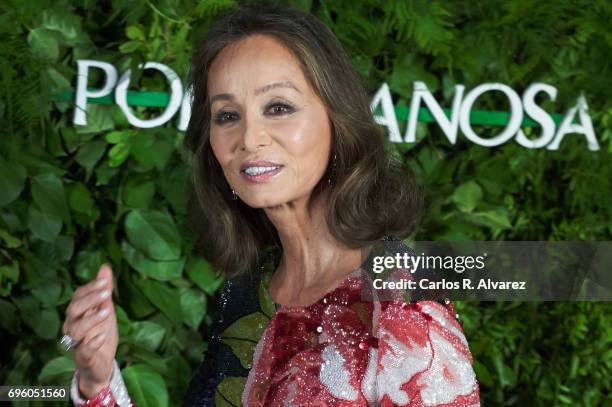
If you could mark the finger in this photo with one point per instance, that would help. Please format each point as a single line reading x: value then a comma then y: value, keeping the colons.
x: 102, y: 280
x: 94, y: 339
x: 91, y: 311
x: 106, y: 274
x: 88, y: 348
x: 97, y: 329
x: 80, y: 330
x: 77, y: 308
x: 66, y: 327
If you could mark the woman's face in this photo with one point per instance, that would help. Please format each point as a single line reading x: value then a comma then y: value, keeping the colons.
x: 269, y: 131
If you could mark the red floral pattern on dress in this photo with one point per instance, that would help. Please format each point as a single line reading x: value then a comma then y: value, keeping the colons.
x: 345, y: 352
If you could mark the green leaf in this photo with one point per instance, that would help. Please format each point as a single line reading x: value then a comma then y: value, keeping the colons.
x: 467, y: 196
x: 408, y: 69
x: 193, y: 305
x: 89, y: 154
x: 10, y: 241
x: 135, y: 32
x: 265, y: 301
x: 145, y: 386
x: 507, y: 377
x: 57, y: 366
x: 118, y: 154
x: 104, y: 173
x: 72, y: 139
x: 66, y: 295
x: 160, y: 270
x: 173, y: 186
x: 46, y: 323
x: 27, y: 305
x: 44, y: 226
x: 482, y: 373
x: 12, y: 222
x: 201, y: 273
x: 165, y: 298
x: 37, y: 271
x: 12, y: 181
x: 242, y: 336
x: 8, y: 317
x: 495, y: 219
x: 148, y: 334
x: 154, y: 234
x: 64, y: 22
x: 124, y: 325
x: 9, y: 275
x: 229, y: 392
x: 151, y: 359
x: 137, y: 304
x: 429, y: 160
x: 138, y: 194
x: 80, y: 199
x: 20, y: 364
x: 48, y: 193
x: 180, y: 371
x: 44, y: 44
x: 88, y: 263
x: 152, y: 152
x: 130, y: 46
x: 118, y: 136
x: 59, y: 82
x: 63, y: 248
x: 48, y: 294
x: 99, y: 119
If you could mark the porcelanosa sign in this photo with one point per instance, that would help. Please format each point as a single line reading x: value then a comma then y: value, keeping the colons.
x: 576, y: 120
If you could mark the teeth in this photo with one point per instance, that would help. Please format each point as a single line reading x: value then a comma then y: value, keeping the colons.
x: 258, y: 170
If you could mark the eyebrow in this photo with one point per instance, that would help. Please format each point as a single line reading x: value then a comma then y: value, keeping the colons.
x: 263, y: 89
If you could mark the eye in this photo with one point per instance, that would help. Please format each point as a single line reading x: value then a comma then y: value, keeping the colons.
x: 279, y: 108
x: 224, y: 116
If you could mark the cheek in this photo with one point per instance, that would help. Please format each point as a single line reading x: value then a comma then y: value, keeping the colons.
x: 221, y: 148
x: 309, y: 143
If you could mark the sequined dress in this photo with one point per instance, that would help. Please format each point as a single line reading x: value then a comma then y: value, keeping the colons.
x: 340, y: 351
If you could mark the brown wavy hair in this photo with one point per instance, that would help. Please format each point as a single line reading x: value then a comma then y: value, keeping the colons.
x: 372, y: 194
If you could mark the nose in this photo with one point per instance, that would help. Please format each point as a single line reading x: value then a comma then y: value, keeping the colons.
x: 255, y: 135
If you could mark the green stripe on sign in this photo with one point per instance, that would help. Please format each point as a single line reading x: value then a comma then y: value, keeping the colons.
x: 161, y: 99
x: 134, y: 98
x: 476, y: 116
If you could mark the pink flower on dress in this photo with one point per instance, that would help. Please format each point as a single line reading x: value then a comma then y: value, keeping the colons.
x: 345, y: 352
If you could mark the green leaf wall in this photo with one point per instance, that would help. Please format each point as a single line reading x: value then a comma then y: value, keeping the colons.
x: 74, y: 197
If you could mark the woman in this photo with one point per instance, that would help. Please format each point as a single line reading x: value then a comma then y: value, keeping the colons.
x: 292, y: 181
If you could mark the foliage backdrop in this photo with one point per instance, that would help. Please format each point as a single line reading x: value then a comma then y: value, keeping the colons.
x: 74, y: 197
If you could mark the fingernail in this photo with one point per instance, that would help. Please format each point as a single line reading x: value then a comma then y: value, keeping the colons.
x: 100, y: 337
x: 103, y: 312
x: 101, y: 282
x: 104, y: 294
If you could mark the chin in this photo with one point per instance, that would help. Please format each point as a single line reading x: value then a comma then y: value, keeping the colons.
x: 259, y: 201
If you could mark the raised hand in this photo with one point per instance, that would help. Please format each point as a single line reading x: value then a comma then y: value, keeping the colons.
x: 92, y: 323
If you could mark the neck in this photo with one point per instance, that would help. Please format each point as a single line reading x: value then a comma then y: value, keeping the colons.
x: 313, y: 261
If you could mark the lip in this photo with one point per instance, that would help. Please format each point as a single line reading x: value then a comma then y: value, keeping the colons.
x: 260, y: 177
x: 258, y: 163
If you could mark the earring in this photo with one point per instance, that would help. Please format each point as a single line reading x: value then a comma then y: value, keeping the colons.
x: 234, y: 196
x: 333, y: 171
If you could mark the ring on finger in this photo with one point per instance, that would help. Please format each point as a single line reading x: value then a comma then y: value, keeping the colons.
x: 68, y: 342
